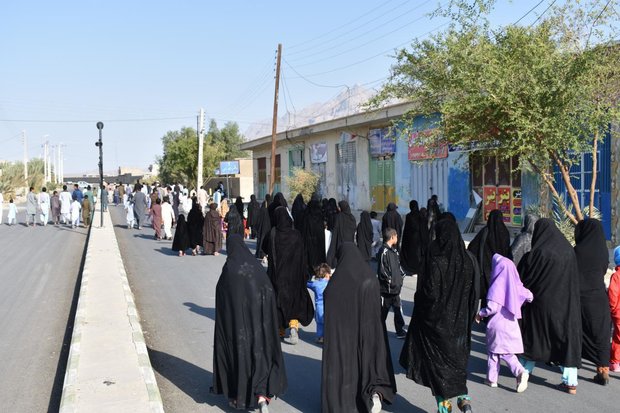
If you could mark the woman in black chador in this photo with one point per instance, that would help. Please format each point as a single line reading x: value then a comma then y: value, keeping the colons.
x: 314, y: 234
x: 592, y: 260
x: 438, y: 342
x: 392, y: 219
x: 551, y: 324
x: 357, y: 372
x: 344, y: 231
x: 363, y: 236
x: 287, y: 270
x: 248, y: 366
x: 235, y: 222
x: 278, y: 201
x: 297, y: 211
x: 262, y: 226
x: 195, y: 225
x: 180, y: 243
x: 411, y: 246
x: 493, y: 239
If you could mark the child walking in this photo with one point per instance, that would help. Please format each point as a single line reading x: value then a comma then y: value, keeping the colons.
x: 391, y: 277
x: 75, y: 211
x: 131, y: 218
x: 12, y: 216
x: 614, y: 306
x: 505, y: 297
x: 317, y: 285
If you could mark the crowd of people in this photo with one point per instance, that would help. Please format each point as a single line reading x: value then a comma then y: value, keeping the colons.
x: 71, y: 208
x: 542, y: 301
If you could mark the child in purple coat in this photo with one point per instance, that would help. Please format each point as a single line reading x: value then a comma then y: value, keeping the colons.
x: 505, y: 297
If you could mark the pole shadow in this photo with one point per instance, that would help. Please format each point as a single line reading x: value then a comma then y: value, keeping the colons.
x: 203, y: 311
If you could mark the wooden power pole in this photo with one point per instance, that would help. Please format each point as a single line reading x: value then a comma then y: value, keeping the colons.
x: 274, y: 127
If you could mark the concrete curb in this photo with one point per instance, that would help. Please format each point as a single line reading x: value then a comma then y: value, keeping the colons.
x: 71, y: 385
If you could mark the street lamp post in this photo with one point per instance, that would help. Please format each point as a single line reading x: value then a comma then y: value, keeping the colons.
x: 100, y: 145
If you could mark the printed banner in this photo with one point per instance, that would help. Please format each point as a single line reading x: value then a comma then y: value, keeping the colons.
x: 318, y: 152
x: 381, y: 142
x: 418, y: 152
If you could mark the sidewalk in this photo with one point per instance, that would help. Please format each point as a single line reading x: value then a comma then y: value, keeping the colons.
x: 108, y: 368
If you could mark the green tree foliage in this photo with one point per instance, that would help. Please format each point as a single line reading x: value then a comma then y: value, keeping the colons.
x: 302, y: 182
x: 12, y: 176
x: 543, y: 93
x: 180, y: 152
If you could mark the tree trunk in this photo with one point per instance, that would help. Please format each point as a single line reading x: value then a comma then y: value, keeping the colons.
x: 594, y: 174
x: 578, y: 216
x: 551, y: 187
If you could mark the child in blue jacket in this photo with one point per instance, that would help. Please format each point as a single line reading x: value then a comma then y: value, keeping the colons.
x: 317, y: 285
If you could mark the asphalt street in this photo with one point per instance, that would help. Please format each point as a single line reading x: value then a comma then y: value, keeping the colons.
x: 176, y: 301
x: 39, y: 268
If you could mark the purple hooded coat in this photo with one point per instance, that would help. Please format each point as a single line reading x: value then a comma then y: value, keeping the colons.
x: 505, y: 297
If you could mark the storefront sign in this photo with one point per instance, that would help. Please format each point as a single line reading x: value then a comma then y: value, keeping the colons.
x: 419, y: 152
x: 381, y: 142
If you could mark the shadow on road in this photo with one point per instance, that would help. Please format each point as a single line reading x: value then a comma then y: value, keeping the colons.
x: 189, y: 378
x: 167, y: 251
x: 203, y: 311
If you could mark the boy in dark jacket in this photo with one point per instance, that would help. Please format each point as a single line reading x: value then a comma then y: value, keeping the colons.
x: 391, y: 276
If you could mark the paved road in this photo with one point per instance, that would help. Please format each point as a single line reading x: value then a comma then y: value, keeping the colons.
x: 176, y: 299
x: 38, y: 273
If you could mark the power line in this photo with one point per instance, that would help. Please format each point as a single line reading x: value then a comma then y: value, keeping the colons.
x: 543, y: 13
x: 375, y: 24
x: 311, y: 81
x: 528, y: 12
x: 373, y: 56
x: 294, y: 46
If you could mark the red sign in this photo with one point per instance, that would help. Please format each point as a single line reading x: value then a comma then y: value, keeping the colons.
x: 420, y: 152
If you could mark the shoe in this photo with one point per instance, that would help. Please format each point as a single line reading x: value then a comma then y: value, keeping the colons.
x: 319, y: 340
x: 522, y: 381
x: 402, y: 334
x: 614, y: 367
x: 263, y: 407
x: 567, y: 389
x: 294, y: 336
x: 464, y: 405
x: 491, y: 384
x: 602, y: 376
x: 376, y: 403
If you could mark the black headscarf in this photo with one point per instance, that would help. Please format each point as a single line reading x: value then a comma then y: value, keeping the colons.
x: 239, y: 206
x: 181, y: 235
x: 392, y: 219
x: 331, y: 211
x: 344, y: 231
x: 314, y: 234
x: 195, y: 224
x: 278, y: 201
x: 438, y: 343
x: 433, y: 213
x: 493, y: 239
x: 356, y: 354
x: 411, y: 246
x: 287, y: 270
x: 297, y: 210
x: 235, y: 222
x: 247, y: 357
x: 363, y: 236
x: 523, y: 242
x: 592, y: 260
x: 551, y: 324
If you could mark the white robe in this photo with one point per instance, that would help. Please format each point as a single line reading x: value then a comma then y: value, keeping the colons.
x: 12, y: 216
x: 44, y: 206
x: 167, y: 216
x: 65, y: 202
x: 75, y: 212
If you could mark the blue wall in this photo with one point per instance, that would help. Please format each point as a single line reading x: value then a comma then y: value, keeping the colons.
x: 458, y: 184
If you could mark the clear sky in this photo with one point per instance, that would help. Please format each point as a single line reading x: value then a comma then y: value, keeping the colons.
x: 146, y: 67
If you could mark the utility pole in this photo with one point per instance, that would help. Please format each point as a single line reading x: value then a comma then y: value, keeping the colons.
x: 274, y: 127
x: 61, y: 162
x: 45, y: 166
x: 25, y: 158
x: 200, y: 131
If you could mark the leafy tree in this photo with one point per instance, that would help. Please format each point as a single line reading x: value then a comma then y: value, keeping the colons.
x: 180, y: 152
x: 302, y: 182
x: 544, y: 93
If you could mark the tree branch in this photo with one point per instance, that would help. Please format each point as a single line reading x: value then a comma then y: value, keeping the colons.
x: 569, y: 188
x: 549, y: 183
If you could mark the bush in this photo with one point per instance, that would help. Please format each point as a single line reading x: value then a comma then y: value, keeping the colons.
x: 302, y: 182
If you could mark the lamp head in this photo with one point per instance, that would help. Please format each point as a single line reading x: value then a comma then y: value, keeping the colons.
x: 99, y: 125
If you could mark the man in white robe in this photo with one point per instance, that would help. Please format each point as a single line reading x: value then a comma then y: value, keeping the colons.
x: 65, y: 205
x: 44, y: 205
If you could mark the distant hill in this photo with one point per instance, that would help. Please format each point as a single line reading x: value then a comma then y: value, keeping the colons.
x: 348, y: 102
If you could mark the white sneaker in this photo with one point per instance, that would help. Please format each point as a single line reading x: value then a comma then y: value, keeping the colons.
x: 263, y: 407
x: 294, y: 336
x: 376, y: 404
x: 522, y: 381
x: 490, y: 384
